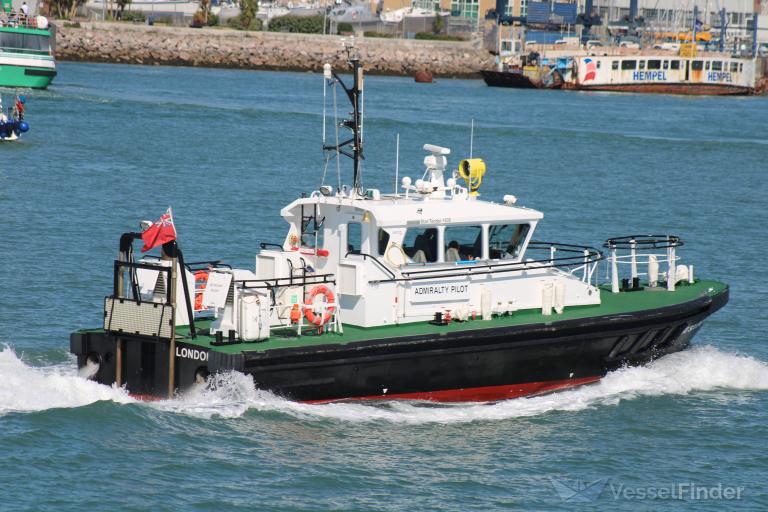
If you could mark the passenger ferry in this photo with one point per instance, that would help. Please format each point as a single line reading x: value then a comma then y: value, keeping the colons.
x: 427, y: 293
x: 708, y: 73
x: 26, y: 52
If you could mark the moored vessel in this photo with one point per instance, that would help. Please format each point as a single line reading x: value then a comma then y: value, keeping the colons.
x: 428, y: 293
x: 26, y: 52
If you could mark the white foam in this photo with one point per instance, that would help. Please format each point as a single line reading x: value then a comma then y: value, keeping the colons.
x: 700, y: 370
x: 703, y: 369
x: 24, y: 388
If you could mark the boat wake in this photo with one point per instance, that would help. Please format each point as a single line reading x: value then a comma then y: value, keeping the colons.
x: 702, y: 369
x: 25, y: 388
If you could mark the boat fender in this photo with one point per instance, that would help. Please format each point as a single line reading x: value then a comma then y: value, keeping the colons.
x: 653, y: 270
x: 201, y: 276
x: 547, y: 296
x: 309, y: 305
x: 559, y: 298
x: 485, y: 304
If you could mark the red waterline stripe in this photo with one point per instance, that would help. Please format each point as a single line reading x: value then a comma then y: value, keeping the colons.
x: 481, y: 394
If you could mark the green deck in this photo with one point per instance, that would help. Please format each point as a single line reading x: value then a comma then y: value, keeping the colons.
x: 612, y: 303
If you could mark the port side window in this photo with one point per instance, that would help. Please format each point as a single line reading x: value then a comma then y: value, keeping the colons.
x: 420, y: 245
x: 463, y: 243
x: 706, y: 65
x: 615, y: 64
x: 717, y: 65
x: 598, y: 64
x: 697, y: 65
x: 642, y: 64
x: 675, y: 64
x: 734, y: 67
x: 628, y: 64
x: 354, y: 238
x: 383, y: 241
x: 654, y: 64
x: 666, y: 64
x: 29, y: 42
x: 506, y: 240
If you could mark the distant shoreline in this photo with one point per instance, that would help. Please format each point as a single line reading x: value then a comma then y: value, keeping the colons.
x: 225, y: 48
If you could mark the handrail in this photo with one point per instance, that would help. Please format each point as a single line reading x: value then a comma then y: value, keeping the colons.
x: 647, y: 241
x: 375, y: 259
x: 264, y: 245
x: 275, y: 281
x: 482, y: 267
x: 635, y: 243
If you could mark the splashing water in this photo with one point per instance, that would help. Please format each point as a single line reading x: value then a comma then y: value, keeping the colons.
x: 698, y: 369
x: 27, y: 389
x: 233, y: 394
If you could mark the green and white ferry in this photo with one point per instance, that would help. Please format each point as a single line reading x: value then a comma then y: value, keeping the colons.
x: 26, y: 52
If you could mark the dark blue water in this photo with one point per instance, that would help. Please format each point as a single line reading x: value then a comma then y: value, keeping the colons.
x: 110, y: 145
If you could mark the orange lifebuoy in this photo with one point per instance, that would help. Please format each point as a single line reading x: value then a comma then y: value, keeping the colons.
x: 312, y: 318
x: 200, y: 275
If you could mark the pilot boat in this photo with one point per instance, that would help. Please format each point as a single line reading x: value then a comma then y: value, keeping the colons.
x: 429, y: 293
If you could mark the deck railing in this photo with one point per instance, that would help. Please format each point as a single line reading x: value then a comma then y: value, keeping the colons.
x: 578, y: 258
x: 643, y: 254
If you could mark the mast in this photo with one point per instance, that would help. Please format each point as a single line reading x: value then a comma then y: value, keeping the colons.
x: 352, y: 147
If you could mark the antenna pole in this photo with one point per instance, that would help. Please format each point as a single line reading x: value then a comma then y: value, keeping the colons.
x: 355, y: 124
x: 397, y: 162
x: 471, y: 137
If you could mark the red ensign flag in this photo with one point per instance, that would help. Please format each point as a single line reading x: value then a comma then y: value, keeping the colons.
x: 160, y: 232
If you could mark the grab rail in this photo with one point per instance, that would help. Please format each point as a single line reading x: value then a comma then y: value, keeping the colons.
x: 588, y: 257
x: 635, y: 243
x: 365, y: 255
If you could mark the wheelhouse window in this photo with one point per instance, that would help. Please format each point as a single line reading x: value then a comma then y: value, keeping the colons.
x: 697, y: 65
x: 615, y: 64
x: 312, y: 233
x: 463, y: 243
x: 506, y: 240
x: 675, y: 64
x: 642, y: 64
x: 420, y: 245
x: 383, y: 241
x: 666, y: 64
x: 706, y: 65
x: 628, y: 64
x: 717, y: 65
x: 734, y: 67
x: 654, y: 64
x: 354, y: 238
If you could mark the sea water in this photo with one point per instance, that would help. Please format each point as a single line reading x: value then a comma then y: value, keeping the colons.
x: 111, y: 145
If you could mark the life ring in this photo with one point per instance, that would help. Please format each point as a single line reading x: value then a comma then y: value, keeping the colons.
x: 202, y: 277
x: 309, y: 304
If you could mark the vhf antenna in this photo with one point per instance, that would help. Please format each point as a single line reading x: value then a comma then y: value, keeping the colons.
x: 352, y: 147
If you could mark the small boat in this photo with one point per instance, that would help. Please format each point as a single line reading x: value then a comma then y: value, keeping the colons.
x: 426, y: 293
x: 26, y: 52
x: 12, y: 123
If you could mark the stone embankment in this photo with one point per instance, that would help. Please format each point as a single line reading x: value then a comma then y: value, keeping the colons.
x: 225, y: 48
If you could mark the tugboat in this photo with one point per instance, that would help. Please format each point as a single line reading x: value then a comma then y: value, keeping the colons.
x: 430, y: 293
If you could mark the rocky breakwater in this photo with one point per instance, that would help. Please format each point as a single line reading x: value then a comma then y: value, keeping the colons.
x: 141, y: 44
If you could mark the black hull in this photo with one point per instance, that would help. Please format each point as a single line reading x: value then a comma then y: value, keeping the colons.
x: 496, y: 363
x: 508, y: 79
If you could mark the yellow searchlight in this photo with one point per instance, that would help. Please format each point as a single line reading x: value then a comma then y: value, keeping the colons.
x: 472, y: 170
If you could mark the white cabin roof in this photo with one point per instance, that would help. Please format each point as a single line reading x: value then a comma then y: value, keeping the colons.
x: 401, y: 211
